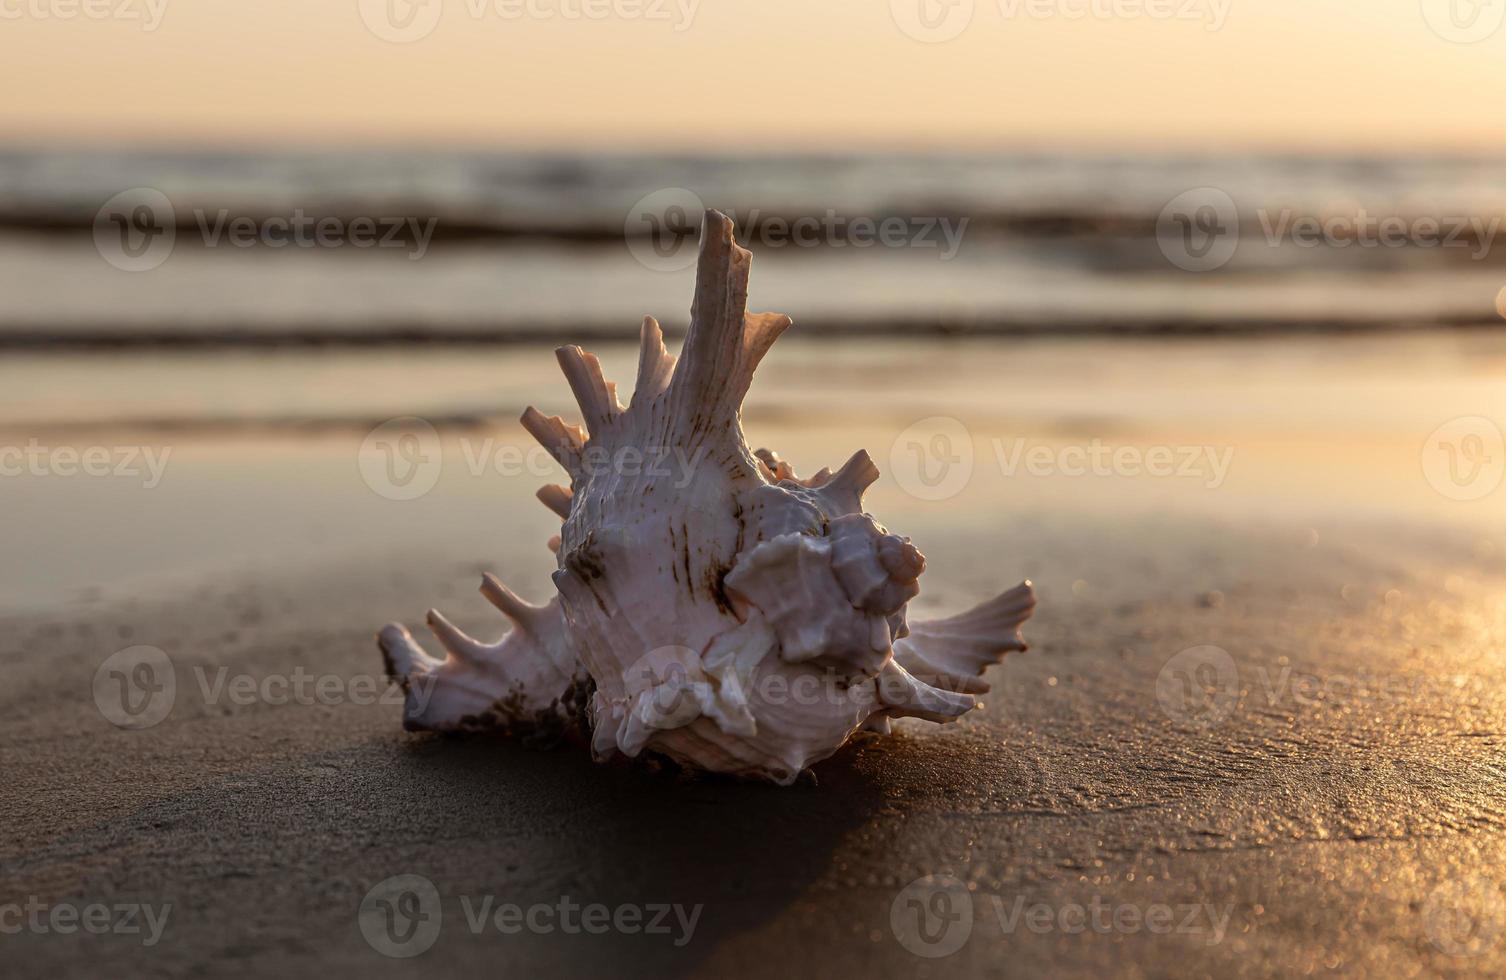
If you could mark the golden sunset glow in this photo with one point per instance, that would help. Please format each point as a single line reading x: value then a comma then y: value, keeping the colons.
x: 1144, y: 74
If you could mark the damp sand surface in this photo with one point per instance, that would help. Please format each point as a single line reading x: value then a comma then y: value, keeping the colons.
x: 1338, y: 805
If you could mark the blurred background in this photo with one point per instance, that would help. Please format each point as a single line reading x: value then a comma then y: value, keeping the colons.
x: 255, y: 233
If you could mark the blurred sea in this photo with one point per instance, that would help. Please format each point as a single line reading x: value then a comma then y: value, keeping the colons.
x: 110, y: 248
x: 263, y: 363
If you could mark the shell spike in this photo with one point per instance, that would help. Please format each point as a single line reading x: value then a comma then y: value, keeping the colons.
x: 556, y: 498
x: 563, y: 441
x: 774, y: 468
x: 844, y: 490
x: 457, y: 644
x: 401, y: 654
x: 910, y: 697
x: 655, y: 364
x: 522, y: 614
x: 725, y: 342
x: 597, y: 399
x: 952, y: 653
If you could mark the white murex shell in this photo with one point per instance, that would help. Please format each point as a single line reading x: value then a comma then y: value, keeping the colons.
x: 739, y: 620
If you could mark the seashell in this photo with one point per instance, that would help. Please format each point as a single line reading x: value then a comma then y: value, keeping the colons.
x: 732, y: 617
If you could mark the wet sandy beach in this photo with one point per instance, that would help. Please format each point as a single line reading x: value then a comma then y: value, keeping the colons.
x: 1260, y: 727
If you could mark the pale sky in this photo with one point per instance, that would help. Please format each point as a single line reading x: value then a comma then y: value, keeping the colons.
x: 766, y: 75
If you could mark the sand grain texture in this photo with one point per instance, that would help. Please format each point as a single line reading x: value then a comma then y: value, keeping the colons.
x: 1322, y: 822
